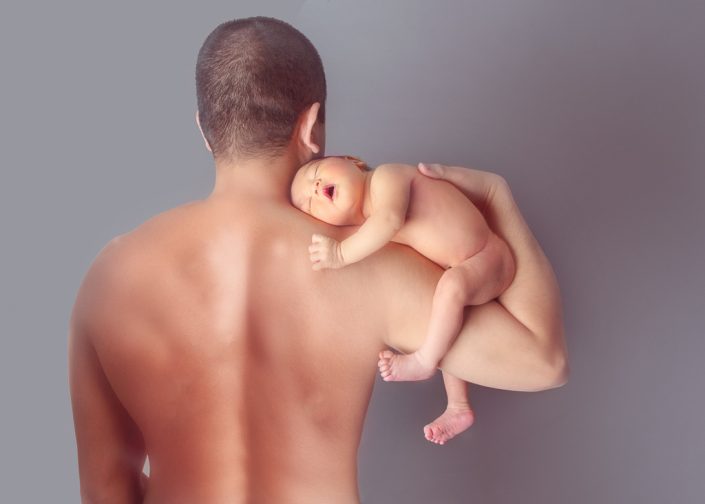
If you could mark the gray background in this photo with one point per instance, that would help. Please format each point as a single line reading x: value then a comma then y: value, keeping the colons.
x: 593, y: 111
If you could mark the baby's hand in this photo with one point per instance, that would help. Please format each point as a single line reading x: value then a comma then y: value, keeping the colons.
x: 325, y: 253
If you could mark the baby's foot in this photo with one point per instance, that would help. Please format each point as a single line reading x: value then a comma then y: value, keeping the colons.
x: 398, y: 367
x: 453, y: 421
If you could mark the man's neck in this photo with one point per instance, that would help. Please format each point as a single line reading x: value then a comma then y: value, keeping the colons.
x: 260, y: 177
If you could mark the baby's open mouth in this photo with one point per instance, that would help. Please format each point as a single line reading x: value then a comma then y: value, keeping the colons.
x: 329, y: 191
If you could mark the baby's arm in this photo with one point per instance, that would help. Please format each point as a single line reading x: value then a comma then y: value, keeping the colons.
x: 389, y: 201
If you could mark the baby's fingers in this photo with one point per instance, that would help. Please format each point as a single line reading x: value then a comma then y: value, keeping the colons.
x: 318, y: 238
x: 315, y: 255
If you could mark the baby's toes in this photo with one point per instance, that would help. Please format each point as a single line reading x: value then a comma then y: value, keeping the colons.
x: 386, y: 354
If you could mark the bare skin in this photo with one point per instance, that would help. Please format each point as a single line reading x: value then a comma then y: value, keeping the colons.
x: 458, y: 415
x: 395, y: 202
x: 204, y: 338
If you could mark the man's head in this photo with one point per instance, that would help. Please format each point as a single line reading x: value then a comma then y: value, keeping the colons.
x: 256, y: 79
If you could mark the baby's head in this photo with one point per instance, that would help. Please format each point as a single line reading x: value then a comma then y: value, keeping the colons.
x: 331, y: 189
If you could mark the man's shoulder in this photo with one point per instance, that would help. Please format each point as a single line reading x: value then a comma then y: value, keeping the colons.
x: 125, y: 253
x: 106, y: 284
x: 160, y: 225
x: 131, y: 261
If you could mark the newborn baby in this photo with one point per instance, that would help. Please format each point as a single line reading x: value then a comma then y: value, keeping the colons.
x: 396, y: 202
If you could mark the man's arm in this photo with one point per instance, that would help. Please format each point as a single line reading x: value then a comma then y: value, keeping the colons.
x: 111, y: 452
x: 516, y: 342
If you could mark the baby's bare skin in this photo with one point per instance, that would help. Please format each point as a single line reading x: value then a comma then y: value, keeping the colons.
x: 441, y: 223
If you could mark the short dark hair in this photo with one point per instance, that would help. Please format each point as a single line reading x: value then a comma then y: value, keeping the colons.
x: 254, y: 78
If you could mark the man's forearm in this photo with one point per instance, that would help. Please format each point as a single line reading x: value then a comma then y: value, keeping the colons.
x: 493, y: 349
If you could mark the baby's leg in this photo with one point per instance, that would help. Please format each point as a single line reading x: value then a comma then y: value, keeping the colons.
x: 475, y: 281
x: 458, y: 415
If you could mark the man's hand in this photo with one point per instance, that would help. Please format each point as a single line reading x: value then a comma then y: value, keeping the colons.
x: 325, y: 252
x: 432, y: 170
x: 482, y: 188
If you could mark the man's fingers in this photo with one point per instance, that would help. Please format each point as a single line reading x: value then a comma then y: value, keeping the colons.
x: 477, y: 185
x: 433, y: 170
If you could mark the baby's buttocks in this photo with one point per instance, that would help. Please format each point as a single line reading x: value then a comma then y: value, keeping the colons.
x: 441, y: 223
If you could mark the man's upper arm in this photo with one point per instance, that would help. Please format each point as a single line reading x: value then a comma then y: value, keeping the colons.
x: 110, y: 446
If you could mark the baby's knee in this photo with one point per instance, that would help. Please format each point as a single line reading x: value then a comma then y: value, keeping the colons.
x: 452, y: 287
x: 505, y: 266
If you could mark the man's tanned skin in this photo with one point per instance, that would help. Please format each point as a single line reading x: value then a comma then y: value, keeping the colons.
x: 204, y: 339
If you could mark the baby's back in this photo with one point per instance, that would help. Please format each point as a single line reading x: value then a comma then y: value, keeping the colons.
x: 441, y: 223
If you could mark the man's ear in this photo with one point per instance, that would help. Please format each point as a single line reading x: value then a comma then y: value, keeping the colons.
x: 311, y: 134
x: 198, y: 122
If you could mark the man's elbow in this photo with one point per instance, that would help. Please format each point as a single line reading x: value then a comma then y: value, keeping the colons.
x: 122, y: 492
x: 555, y: 371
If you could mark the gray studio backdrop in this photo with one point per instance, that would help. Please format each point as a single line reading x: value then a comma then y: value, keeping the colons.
x: 593, y: 111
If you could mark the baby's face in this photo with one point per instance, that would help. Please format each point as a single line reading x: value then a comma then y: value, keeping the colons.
x: 330, y: 189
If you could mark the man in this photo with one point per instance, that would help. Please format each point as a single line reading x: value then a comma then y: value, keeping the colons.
x: 205, y: 339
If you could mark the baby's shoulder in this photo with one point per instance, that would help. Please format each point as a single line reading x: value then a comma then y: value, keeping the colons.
x: 395, y: 168
x: 391, y: 178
